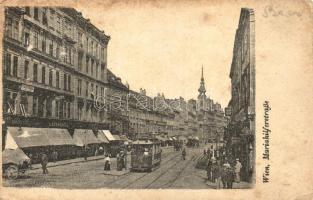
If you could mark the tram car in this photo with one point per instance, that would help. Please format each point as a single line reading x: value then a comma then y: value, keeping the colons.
x: 145, y: 155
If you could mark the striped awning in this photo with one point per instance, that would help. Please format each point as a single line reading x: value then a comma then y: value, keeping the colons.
x: 83, y: 137
x: 35, y: 137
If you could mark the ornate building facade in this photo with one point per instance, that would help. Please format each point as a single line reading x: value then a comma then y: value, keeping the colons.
x: 54, y: 66
x: 240, y: 134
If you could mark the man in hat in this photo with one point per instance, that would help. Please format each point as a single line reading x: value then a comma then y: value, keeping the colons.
x: 238, y: 167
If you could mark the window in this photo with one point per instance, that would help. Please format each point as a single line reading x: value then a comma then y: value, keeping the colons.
x: 65, y: 81
x: 44, y: 16
x: 58, y: 50
x: 97, y: 51
x: 102, y: 71
x: 35, y: 69
x: 8, y: 64
x: 80, y: 61
x: 87, y: 65
x: 102, y: 53
x: 43, y: 44
x: 57, y: 75
x: 87, y: 85
x: 68, y: 109
x: 36, y: 40
x: 91, y: 68
x: 50, y: 77
x: 15, y: 65
x: 87, y: 44
x: 41, y: 104
x: 35, y: 106
x: 70, y: 56
x: 91, y: 47
x: 24, y: 104
x: 69, y: 82
x: 80, y: 39
x: 57, y: 108
x: 8, y: 27
x: 27, y: 11
x: 79, y: 87
x: 102, y: 92
x: 51, y: 48
x: 97, y: 70
x: 36, y: 16
x: 15, y: 30
x: 43, y: 75
x: 26, y: 38
x: 92, y: 93
x: 49, y: 107
x: 58, y: 23
x: 26, y: 68
x: 52, y: 12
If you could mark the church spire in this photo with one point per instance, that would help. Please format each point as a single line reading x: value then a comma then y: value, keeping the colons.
x: 201, y: 89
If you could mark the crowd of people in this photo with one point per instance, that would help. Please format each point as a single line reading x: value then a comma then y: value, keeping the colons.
x: 220, y: 171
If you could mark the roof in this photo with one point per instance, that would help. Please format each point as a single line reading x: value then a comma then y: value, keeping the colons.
x: 102, y: 137
x: 108, y: 135
x: 115, y: 81
x: 82, y: 137
x: 33, y: 137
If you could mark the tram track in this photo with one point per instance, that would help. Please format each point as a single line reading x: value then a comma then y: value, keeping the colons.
x: 172, y: 181
x: 147, y: 174
x: 123, y: 179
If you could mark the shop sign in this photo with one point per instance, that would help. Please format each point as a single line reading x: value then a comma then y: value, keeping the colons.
x: 27, y: 88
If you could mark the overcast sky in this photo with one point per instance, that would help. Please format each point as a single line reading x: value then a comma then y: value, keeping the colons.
x: 161, y: 47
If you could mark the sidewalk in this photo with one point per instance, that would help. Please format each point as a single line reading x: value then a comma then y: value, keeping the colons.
x: 67, y: 162
x: 241, y: 185
x: 112, y: 172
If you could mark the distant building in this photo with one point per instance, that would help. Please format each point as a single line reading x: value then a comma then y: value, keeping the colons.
x: 240, y: 134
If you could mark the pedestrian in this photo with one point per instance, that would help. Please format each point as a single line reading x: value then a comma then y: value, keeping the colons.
x: 107, y: 163
x: 125, y: 159
x: 204, y: 152
x: 118, y: 162
x: 44, y: 162
x: 30, y: 155
x: 227, y: 175
x: 238, y: 167
x: 184, y: 154
x: 54, y: 156
x: 96, y: 152
x: 85, y: 149
x: 209, y: 169
x: 216, y: 173
x: 101, y: 150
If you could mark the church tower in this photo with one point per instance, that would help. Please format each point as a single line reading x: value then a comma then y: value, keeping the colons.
x: 202, y: 91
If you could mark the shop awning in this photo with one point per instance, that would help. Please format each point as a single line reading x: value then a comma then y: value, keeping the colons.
x: 35, y: 137
x: 117, y: 137
x: 83, y: 137
x: 101, y: 137
x: 108, y: 135
x: 160, y: 138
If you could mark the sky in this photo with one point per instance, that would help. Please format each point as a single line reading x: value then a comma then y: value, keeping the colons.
x: 162, y: 46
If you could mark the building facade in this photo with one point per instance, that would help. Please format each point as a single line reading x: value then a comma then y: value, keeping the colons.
x: 54, y: 67
x: 240, y: 134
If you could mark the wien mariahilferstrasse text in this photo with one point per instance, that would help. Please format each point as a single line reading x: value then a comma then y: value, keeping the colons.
x: 266, y: 138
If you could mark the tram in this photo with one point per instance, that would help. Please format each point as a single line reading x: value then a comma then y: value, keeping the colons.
x: 145, y: 155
